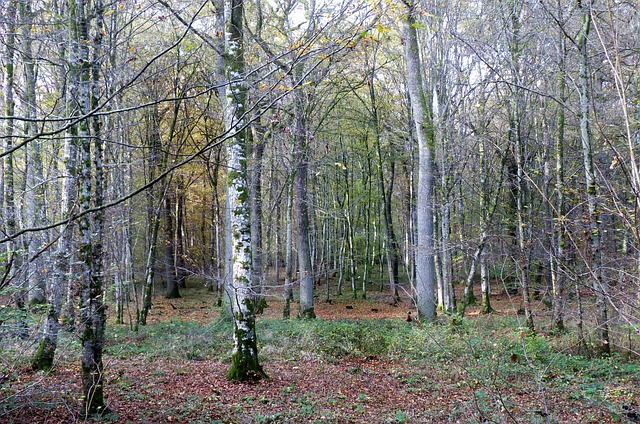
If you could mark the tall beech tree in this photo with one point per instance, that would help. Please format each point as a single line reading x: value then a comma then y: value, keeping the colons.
x: 423, y: 127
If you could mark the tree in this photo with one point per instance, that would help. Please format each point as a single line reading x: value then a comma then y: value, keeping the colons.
x: 35, y: 184
x: 10, y: 219
x: 423, y: 127
x: 244, y: 361
x: 593, y: 261
x: 92, y: 317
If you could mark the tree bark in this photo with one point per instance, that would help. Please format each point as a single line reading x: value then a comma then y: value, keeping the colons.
x: 34, y: 167
x: 599, y: 285
x: 255, y: 199
x: 558, y: 258
x: 92, y: 309
x: 423, y: 126
x: 301, y: 208
x: 173, y: 290
x: 244, y: 361
x: 10, y: 214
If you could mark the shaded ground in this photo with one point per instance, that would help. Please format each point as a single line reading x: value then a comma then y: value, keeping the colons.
x: 149, y: 388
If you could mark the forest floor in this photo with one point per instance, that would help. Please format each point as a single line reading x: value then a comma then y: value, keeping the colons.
x: 359, y: 362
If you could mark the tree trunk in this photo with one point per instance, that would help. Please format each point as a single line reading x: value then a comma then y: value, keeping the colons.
x: 288, y: 273
x: 301, y: 208
x: 181, y: 210
x: 244, y: 361
x: 600, y: 286
x: 386, y: 193
x: 517, y: 147
x: 423, y: 126
x: 34, y: 166
x: 173, y: 290
x: 155, y: 198
x: 558, y: 258
x: 92, y: 310
x: 43, y: 359
x: 10, y: 214
x: 255, y: 199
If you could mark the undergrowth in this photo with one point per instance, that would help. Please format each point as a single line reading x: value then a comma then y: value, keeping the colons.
x: 492, y: 358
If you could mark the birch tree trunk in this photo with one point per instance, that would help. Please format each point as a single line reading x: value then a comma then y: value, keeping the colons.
x: 423, y: 126
x: 244, y: 361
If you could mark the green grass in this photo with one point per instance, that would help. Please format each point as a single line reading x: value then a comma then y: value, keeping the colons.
x: 491, y: 358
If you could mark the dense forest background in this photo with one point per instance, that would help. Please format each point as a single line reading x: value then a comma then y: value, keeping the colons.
x: 282, y: 152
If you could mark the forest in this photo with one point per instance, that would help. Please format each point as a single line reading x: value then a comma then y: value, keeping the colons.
x: 330, y: 211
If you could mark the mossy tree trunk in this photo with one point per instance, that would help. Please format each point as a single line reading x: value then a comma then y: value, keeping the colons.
x: 92, y: 317
x: 244, y: 361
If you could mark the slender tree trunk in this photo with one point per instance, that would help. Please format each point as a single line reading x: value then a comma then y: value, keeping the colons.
x: 517, y: 150
x: 255, y: 199
x: 155, y: 198
x: 10, y: 214
x: 392, y: 250
x: 173, y: 290
x: 367, y: 227
x: 600, y: 286
x: 423, y: 125
x: 181, y: 210
x: 288, y: 273
x: 301, y: 208
x: 447, y: 268
x: 34, y: 166
x: 558, y: 258
x: 61, y: 277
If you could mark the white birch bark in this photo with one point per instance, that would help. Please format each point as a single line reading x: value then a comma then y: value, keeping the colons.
x: 245, y: 352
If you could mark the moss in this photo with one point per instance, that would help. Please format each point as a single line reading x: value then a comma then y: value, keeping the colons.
x: 261, y: 305
x: 244, y: 361
x: 308, y: 313
x: 486, y: 306
x: 245, y: 367
x: 43, y: 359
x: 471, y: 299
